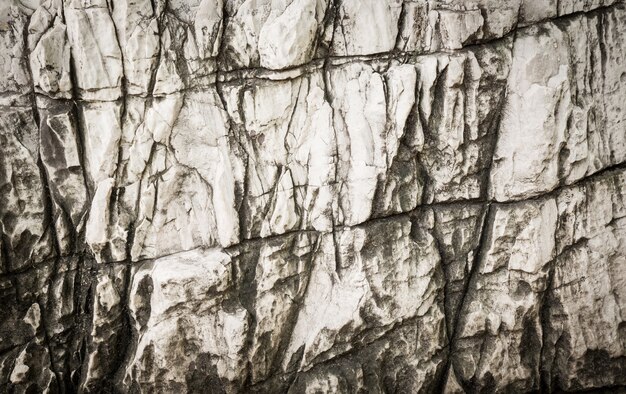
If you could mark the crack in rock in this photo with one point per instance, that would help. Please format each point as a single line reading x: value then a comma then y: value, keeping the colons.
x: 299, y: 196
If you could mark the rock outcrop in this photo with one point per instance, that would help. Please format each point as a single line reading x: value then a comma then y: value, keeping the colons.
x: 312, y: 196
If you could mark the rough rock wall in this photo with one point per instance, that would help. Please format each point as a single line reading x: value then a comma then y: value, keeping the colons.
x: 312, y: 195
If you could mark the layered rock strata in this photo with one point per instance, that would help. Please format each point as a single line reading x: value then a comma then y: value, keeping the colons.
x: 312, y: 195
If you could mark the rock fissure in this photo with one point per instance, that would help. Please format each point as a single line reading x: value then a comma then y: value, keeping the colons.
x: 312, y: 196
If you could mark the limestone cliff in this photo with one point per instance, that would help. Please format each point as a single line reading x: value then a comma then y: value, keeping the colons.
x: 312, y: 196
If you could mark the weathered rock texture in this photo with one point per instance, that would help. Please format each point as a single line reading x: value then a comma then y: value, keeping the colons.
x: 312, y: 195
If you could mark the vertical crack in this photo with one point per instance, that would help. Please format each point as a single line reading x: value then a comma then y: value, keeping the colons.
x: 4, y: 252
x: 48, y: 342
x: 545, y: 375
x: 401, y: 27
x: 545, y: 378
x: 482, y: 248
x: 127, y: 335
x: 328, y: 98
x: 155, y: 66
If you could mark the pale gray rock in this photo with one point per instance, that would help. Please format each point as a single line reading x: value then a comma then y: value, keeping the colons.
x: 535, y: 120
x: 26, y: 236
x: 561, y: 91
x: 273, y: 294
x: 208, y: 333
x: 137, y: 25
x: 363, y: 297
x: 370, y: 115
x: 62, y: 161
x: 95, y: 53
x: 586, y: 289
x: 15, y: 80
x: 273, y: 34
x: 460, y: 105
x: 107, y: 328
x: 50, y: 58
x: 366, y: 27
x: 499, y: 330
x: 304, y: 196
x: 430, y: 26
x: 282, y: 134
x: 458, y: 230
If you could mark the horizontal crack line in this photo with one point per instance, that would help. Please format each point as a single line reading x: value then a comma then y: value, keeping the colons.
x: 296, y: 71
x: 234, y: 248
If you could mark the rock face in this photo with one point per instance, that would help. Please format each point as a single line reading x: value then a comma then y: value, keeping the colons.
x: 312, y: 196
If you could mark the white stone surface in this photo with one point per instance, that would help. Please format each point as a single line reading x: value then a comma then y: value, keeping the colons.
x: 296, y: 196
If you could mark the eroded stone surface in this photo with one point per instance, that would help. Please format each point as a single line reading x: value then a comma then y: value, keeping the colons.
x: 312, y: 196
x: 561, y: 91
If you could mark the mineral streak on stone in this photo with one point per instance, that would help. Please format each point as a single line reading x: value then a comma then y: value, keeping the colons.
x: 312, y: 196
